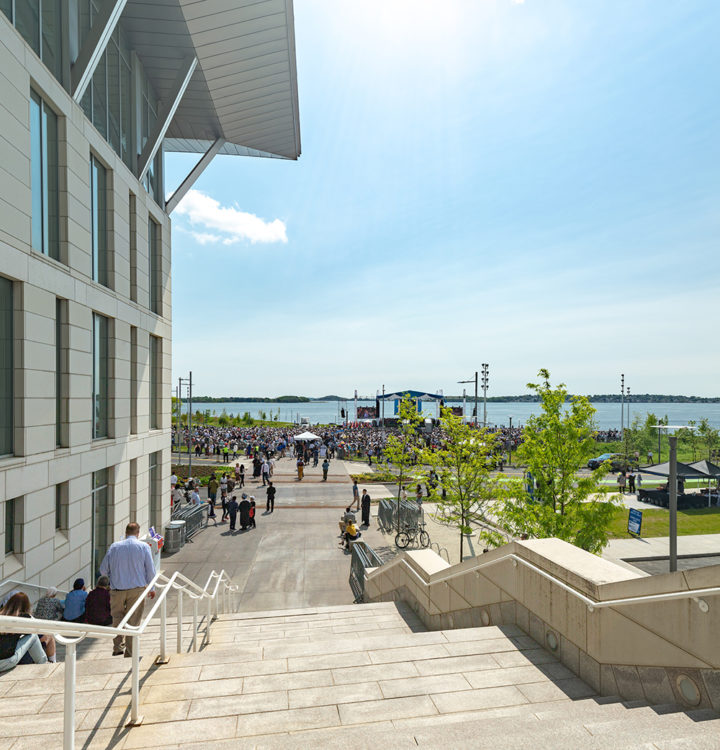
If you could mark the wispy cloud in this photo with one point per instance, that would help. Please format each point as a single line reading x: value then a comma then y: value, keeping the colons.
x: 227, y: 224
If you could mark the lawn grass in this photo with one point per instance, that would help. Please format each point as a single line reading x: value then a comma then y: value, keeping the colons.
x: 656, y: 522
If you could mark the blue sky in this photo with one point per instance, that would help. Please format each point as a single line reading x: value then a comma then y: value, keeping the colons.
x: 529, y: 184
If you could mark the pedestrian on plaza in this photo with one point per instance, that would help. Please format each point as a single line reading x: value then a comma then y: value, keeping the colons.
x: 241, y: 477
x: 621, y: 482
x: 232, y: 509
x: 356, y: 495
x: 129, y: 567
x: 244, y: 509
x: 300, y: 468
x: 226, y: 454
x: 251, y: 515
x: 270, y: 506
x: 365, y: 502
x: 212, y: 490
x: 237, y: 473
x: 638, y: 482
x: 631, y: 483
x: 649, y: 457
x: 325, y: 467
x: 265, y: 472
x: 195, y: 496
x: 418, y: 495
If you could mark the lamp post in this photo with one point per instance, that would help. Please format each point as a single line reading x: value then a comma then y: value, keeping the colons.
x: 473, y: 380
x: 510, y: 439
x: 485, y: 381
x: 672, y: 505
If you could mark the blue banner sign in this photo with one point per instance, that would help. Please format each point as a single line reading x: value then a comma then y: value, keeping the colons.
x: 634, y: 521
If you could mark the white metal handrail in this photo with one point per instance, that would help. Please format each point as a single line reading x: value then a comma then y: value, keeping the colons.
x: 592, y: 604
x: 11, y: 582
x: 71, y: 633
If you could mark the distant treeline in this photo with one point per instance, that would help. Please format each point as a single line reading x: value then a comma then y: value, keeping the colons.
x: 609, y: 398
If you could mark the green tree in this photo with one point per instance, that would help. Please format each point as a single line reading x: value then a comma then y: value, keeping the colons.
x: 403, y: 450
x: 690, y: 437
x: 557, y: 443
x: 463, y: 465
x: 709, y: 436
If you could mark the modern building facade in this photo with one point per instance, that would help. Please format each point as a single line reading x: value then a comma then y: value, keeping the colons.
x: 93, y: 94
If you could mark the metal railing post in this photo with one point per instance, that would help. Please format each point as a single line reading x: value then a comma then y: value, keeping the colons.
x: 69, y: 702
x: 208, y: 621
x: 135, y: 718
x: 179, y: 621
x: 162, y: 659
x: 195, y: 624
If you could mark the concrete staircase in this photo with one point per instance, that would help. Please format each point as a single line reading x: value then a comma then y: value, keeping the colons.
x: 347, y: 676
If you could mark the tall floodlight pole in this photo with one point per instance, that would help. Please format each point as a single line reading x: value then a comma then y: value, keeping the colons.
x: 622, y: 405
x: 485, y: 381
x: 672, y: 487
x: 182, y: 381
x: 626, y: 432
x: 463, y: 404
x: 510, y: 442
x: 382, y: 407
x: 190, y: 424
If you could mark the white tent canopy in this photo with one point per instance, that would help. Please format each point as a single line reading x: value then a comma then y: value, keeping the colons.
x: 307, y: 436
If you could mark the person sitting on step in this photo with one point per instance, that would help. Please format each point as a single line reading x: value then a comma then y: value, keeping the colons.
x: 16, y: 648
x: 351, y: 534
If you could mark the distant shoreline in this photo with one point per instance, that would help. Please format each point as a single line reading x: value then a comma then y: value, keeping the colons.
x: 610, y: 398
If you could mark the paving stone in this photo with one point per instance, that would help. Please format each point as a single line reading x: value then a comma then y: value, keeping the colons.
x: 283, y: 721
x: 456, y: 664
x: 392, y: 670
x: 325, y: 696
x: 469, y: 700
x: 391, y: 708
x: 238, y: 704
x: 444, y: 683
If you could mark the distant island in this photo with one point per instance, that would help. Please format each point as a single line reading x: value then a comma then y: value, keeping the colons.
x: 598, y: 398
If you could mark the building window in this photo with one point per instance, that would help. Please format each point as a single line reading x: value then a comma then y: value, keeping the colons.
x: 155, y: 490
x: 154, y: 265
x: 45, y: 235
x: 61, y: 506
x: 133, y: 380
x: 107, y: 102
x: 101, y: 389
x: 155, y: 380
x: 38, y: 22
x: 101, y: 517
x: 7, y: 343
x: 132, y: 215
x: 12, y: 540
x: 60, y: 371
x: 98, y: 221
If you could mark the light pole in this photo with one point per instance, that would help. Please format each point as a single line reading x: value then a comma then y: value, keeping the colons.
x: 485, y: 381
x: 510, y: 439
x: 672, y: 505
x: 622, y: 405
x: 473, y: 380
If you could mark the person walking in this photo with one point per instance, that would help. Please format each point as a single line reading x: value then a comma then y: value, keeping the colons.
x: 325, y: 467
x: 631, y: 483
x: 270, y: 506
x: 365, y: 503
x: 356, y: 495
x: 129, y: 566
x: 638, y: 482
x: 212, y: 490
x: 232, y: 509
x: 300, y: 468
x: 621, y: 482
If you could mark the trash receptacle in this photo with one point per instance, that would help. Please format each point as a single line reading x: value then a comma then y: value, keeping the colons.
x: 174, y: 536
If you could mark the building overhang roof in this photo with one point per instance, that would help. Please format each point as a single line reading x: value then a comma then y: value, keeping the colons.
x: 244, y: 88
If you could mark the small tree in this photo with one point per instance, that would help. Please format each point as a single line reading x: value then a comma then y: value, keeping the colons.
x: 690, y: 437
x: 709, y: 436
x: 402, y: 450
x: 463, y: 466
x: 563, y: 504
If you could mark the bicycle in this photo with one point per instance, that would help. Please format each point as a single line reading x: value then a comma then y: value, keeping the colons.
x: 410, y: 534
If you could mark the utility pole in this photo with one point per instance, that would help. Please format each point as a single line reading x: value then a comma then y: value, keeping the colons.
x: 485, y: 380
x: 463, y: 405
x: 382, y: 407
x: 622, y: 406
x: 672, y: 489
x: 510, y: 443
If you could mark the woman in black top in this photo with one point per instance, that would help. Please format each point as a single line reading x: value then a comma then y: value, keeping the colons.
x: 16, y: 648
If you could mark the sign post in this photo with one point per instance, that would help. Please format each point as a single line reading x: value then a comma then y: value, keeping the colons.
x: 634, y: 521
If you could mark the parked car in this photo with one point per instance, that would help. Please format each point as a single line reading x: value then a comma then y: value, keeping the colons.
x: 617, y: 462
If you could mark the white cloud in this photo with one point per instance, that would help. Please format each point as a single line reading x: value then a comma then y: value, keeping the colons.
x: 227, y: 224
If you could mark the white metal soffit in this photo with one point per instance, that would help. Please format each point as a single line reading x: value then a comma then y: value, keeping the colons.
x: 244, y: 88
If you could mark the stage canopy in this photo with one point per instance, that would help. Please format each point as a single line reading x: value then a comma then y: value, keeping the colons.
x: 415, y: 395
x: 684, y: 471
x: 307, y: 436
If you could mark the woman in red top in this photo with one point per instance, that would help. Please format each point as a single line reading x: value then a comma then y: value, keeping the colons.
x: 97, y: 604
